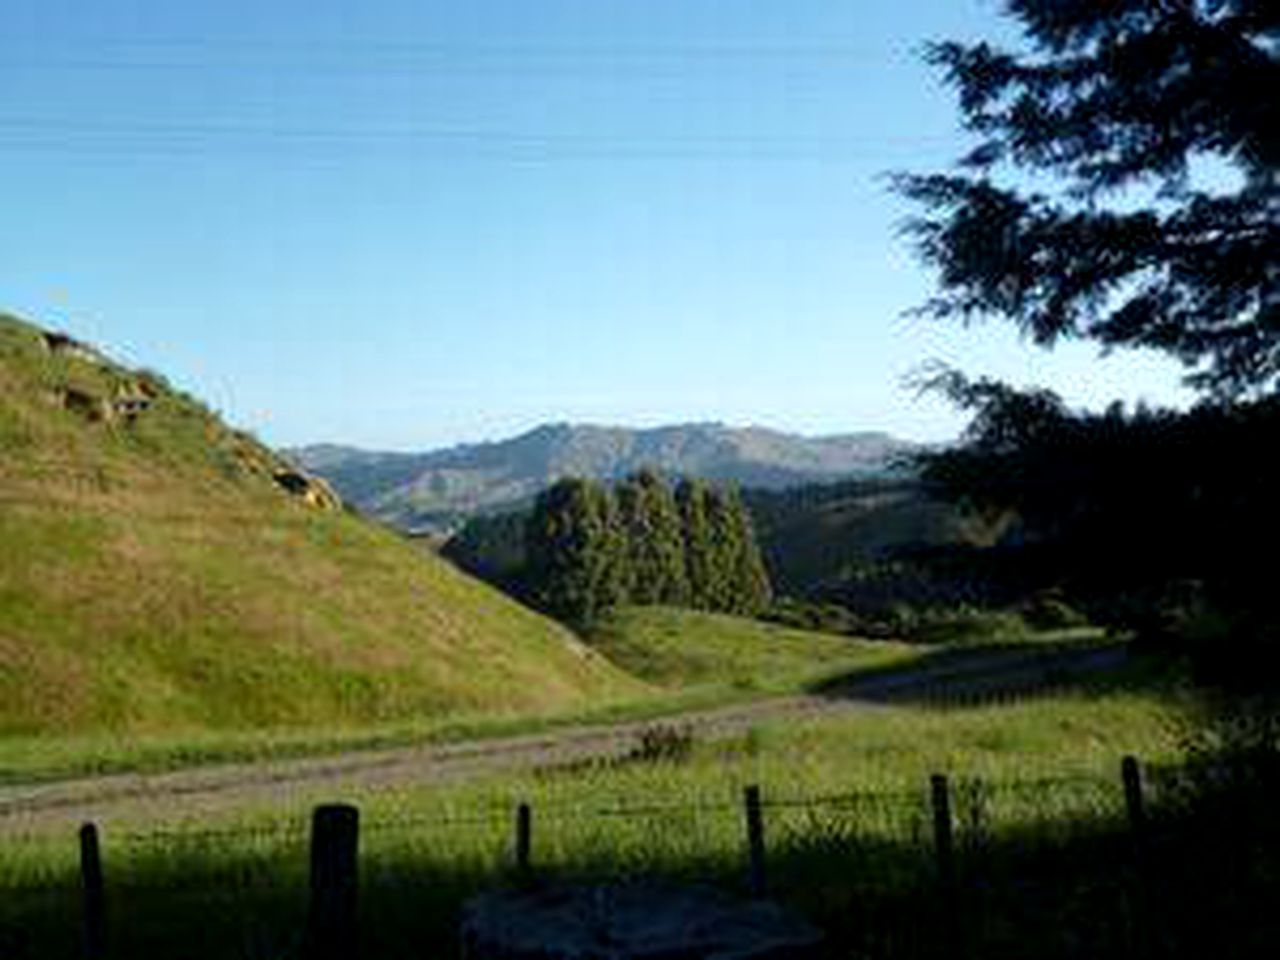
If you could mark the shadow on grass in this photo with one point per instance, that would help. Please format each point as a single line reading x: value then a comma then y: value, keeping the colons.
x: 1200, y: 880
x: 980, y: 674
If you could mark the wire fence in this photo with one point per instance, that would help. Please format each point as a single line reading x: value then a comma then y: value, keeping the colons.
x: 1082, y: 865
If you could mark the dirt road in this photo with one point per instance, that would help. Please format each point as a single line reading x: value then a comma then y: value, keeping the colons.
x: 206, y: 791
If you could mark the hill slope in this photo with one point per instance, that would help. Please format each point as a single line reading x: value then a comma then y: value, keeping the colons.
x: 815, y: 536
x: 436, y: 490
x: 160, y: 571
x: 684, y: 648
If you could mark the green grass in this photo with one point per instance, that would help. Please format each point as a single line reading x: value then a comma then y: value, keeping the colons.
x: 156, y: 582
x: 846, y: 820
x: 37, y: 759
x: 692, y: 660
x: 677, y: 648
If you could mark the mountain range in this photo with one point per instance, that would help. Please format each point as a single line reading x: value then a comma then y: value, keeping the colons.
x: 435, y: 491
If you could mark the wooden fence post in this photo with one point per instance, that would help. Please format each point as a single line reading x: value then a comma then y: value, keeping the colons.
x: 1139, y: 908
x: 945, y: 851
x: 1131, y: 774
x: 755, y: 841
x: 943, y: 838
x: 524, y: 841
x: 95, y: 914
x: 331, y: 918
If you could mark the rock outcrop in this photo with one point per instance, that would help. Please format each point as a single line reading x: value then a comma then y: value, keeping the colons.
x: 312, y: 491
x: 84, y: 382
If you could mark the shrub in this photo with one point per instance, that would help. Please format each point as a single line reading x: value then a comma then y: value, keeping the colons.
x: 967, y: 625
x: 661, y: 743
x: 1049, y: 611
x: 812, y: 615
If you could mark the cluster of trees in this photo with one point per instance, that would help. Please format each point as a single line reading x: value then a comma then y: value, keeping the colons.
x: 589, y: 547
x: 1149, y: 517
x: 1115, y: 113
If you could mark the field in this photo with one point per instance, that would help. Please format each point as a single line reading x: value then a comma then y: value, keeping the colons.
x: 684, y: 660
x: 682, y: 649
x: 166, y: 607
x: 847, y: 823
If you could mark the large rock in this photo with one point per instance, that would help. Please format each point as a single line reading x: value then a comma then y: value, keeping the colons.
x: 635, y: 921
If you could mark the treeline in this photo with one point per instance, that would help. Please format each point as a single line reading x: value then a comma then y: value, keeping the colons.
x: 1150, y: 520
x: 590, y: 547
x: 586, y: 547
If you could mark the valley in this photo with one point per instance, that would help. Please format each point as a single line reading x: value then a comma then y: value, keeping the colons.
x: 201, y: 642
x: 985, y: 675
x: 435, y: 492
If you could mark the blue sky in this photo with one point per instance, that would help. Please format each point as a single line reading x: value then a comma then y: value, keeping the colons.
x: 405, y: 223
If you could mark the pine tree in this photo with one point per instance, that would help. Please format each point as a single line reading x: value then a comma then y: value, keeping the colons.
x: 691, y: 497
x: 575, y: 555
x: 725, y: 548
x: 752, y: 591
x: 654, y: 541
x: 615, y: 578
x: 669, y: 535
x: 1111, y: 97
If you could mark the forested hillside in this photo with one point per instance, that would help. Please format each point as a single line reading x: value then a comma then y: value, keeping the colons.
x: 814, y: 540
x: 585, y: 548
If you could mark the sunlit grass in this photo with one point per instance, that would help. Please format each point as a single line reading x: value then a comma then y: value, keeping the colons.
x: 835, y: 789
x: 155, y: 582
x: 690, y: 660
x: 679, y: 648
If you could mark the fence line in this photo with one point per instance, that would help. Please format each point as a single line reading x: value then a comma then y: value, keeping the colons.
x: 498, y: 814
x: 334, y: 839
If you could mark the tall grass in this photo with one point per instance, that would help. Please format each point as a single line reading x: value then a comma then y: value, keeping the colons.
x: 847, y: 827
x: 155, y: 580
x: 672, y: 647
x: 686, y: 659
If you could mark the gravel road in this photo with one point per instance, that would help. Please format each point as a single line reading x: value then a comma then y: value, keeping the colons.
x: 206, y: 791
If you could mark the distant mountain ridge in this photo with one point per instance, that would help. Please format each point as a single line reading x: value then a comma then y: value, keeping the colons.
x: 436, y: 490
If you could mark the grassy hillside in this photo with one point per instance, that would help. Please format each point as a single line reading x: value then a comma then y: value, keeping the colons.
x: 160, y: 571
x: 684, y: 648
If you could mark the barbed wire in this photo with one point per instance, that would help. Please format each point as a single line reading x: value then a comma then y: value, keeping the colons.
x: 176, y: 836
x: 499, y: 816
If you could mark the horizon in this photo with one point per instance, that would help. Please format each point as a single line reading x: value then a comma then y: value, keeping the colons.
x: 408, y: 226
x: 583, y: 425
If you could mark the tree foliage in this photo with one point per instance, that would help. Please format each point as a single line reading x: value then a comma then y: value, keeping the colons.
x: 752, y: 592
x: 692, y: 501
x: 491, y: 547
x: 575, y: 551
x: 1147, y: 515
x: 655, y: 544
x: 589, y: 548
x: 1115, y: 103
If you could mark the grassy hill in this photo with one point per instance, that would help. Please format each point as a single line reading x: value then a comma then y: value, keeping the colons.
x: 160, y: 571
x: 686, y: 648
